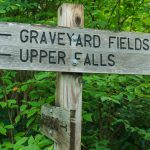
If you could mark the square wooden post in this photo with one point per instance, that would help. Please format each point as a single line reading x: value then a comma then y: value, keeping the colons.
x: 69, y: 86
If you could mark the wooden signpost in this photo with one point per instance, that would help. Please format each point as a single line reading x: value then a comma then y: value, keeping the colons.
x: 71, y: 50
x: 35, y: 47
x: 69, y: 86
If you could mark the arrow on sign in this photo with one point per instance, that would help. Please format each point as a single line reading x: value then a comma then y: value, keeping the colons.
x: 5, y: 54
x: 3, y: 34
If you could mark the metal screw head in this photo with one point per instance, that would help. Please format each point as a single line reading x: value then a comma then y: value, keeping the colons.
x: 74, y: 38
x: 50, y: 131
x: 74, y: 62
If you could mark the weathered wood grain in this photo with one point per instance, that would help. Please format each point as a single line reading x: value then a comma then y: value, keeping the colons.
x: 56, y: 123
x: 131, y: 51
x: 69, y: 86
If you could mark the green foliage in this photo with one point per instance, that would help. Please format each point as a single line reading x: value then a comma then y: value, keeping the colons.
x: 23, y: 96
x: 116, y: 112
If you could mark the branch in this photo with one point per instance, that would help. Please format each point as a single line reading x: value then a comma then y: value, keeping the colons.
x: 112, y: 13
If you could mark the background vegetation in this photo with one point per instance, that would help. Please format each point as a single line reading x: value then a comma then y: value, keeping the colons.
x: 116, y: 108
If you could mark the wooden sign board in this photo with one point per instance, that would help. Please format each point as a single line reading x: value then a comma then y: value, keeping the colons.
x: 28, y: 47
x: 57, y: 124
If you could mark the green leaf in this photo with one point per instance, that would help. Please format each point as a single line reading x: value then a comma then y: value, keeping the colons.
x: 35, y: 104
x: 3, y: 104
x: 32, y: 111
x: 39, y: 138
x: 44, y: 142
x: 30, y: 122
x: 11, y: 102
x: 1, y: 96
x: 88, y: 117
x: 24, y: 87
x: 17, y: 119
x: 131, y: 96
x: 3, y: 130
x: 2, y: 11
x: 31, y: 147
x: 51, y: 147
x: 19, y: 135
x: 23, y: 108
x: 9, y: 127
x: 20, y: 143
x: 42, y: 75
x: 147, y: 136
x: 8, y: 145
x: 31, y: 140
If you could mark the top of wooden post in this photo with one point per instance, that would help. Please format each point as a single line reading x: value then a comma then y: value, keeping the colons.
x: 71, y: 15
